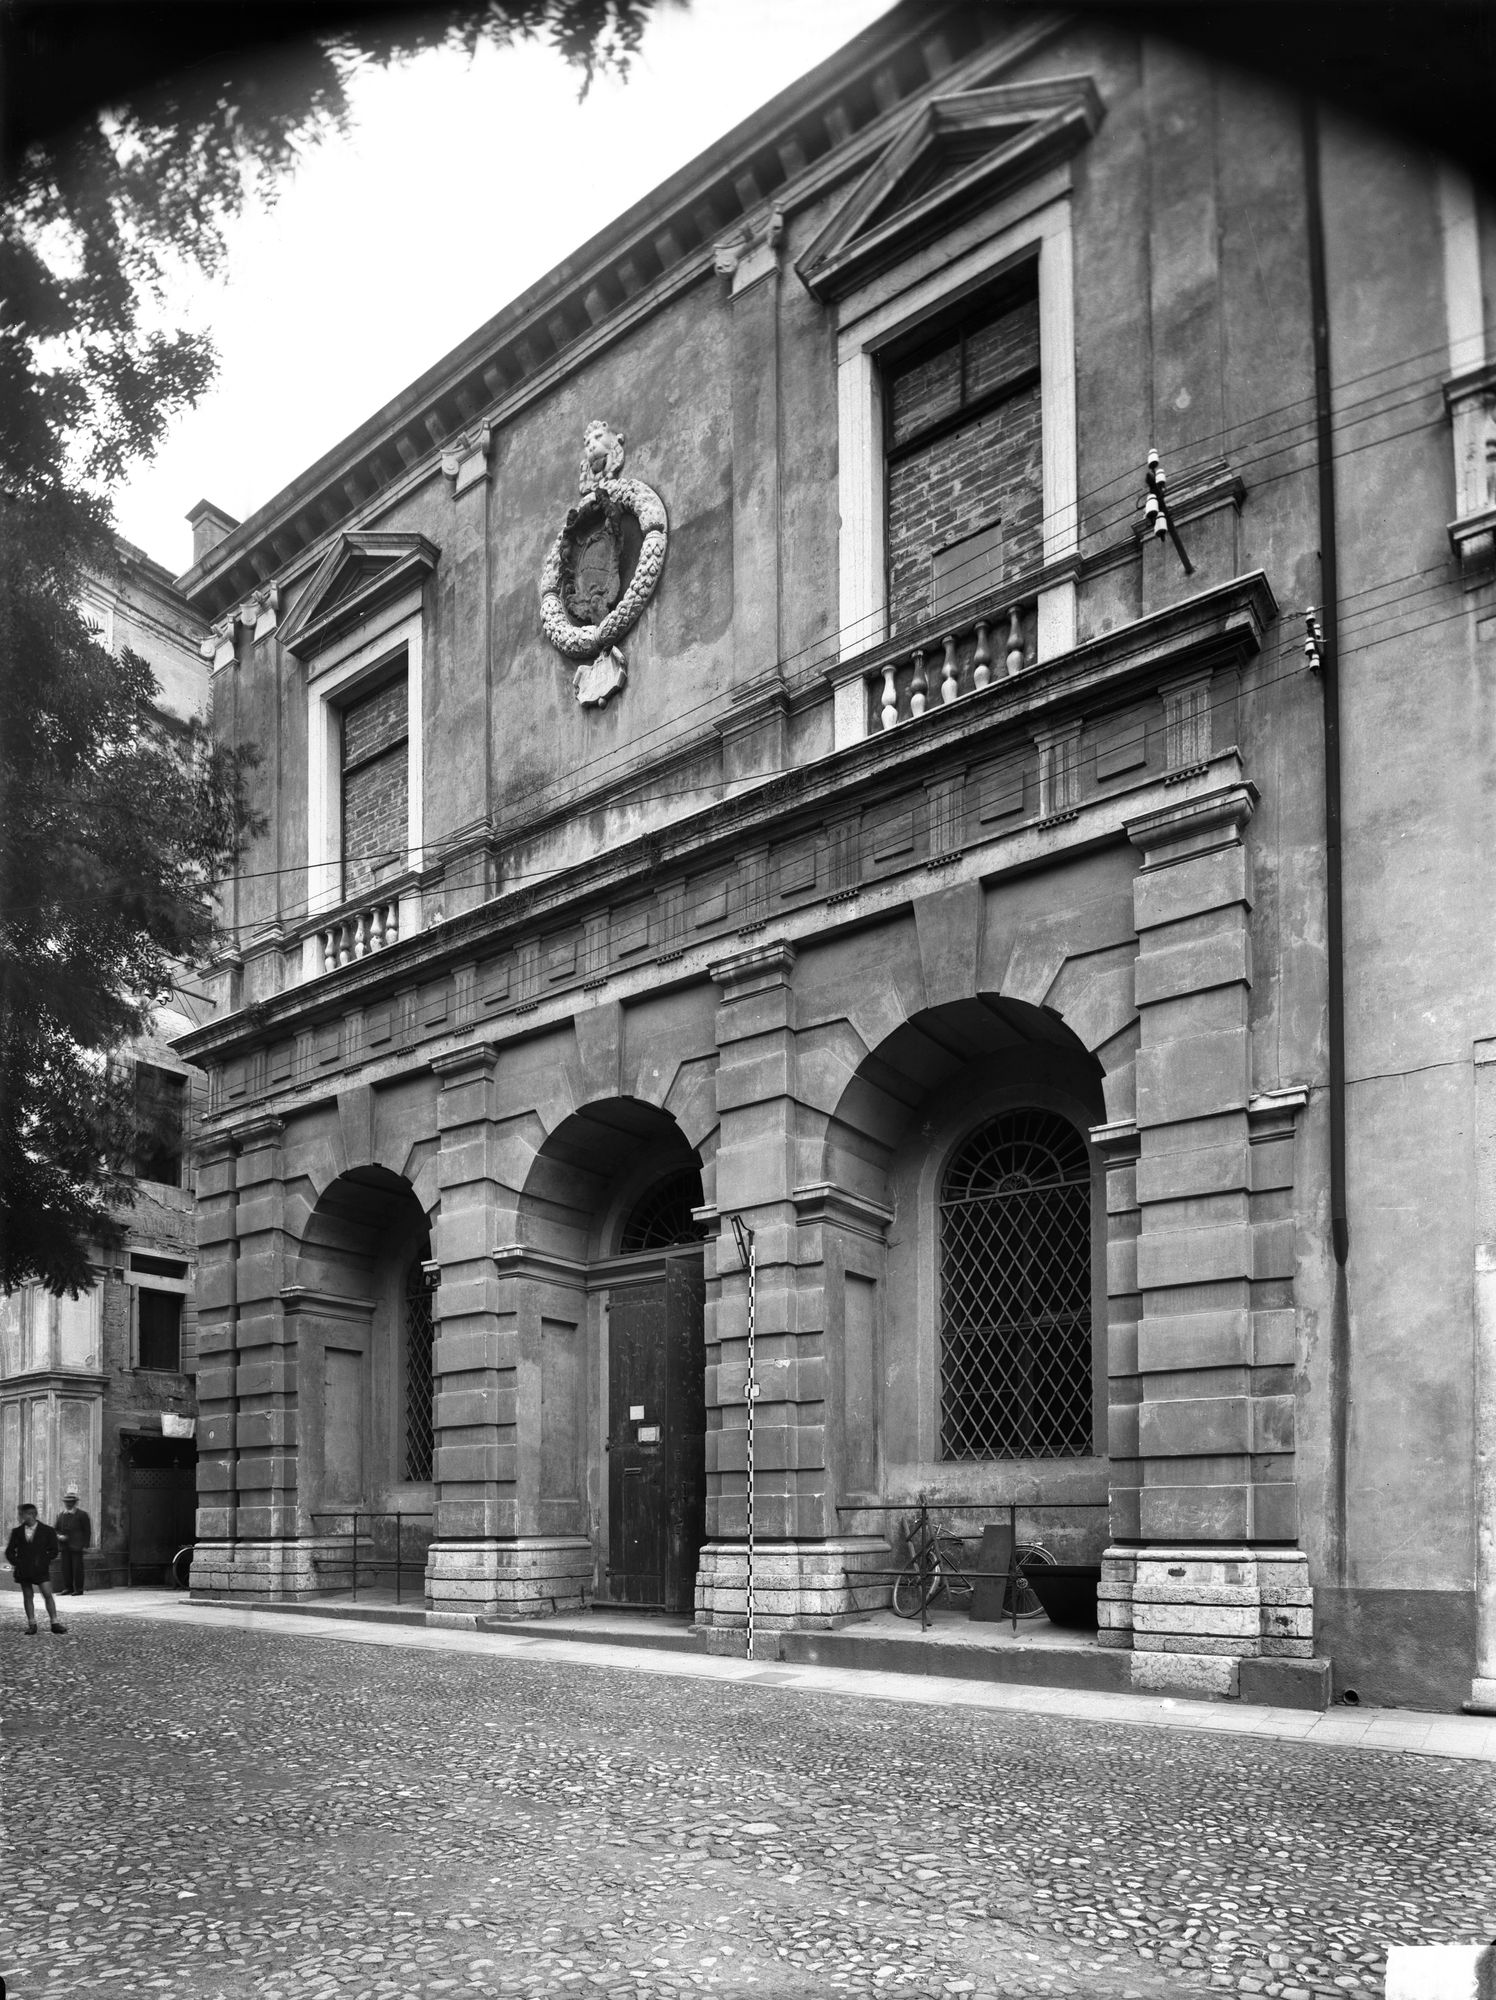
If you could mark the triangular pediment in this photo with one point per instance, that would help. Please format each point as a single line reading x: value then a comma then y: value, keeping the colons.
x: 358, y: 576
x: 956, y: 154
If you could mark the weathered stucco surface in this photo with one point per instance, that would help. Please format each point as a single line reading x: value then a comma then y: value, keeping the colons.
x: 1101, y: 882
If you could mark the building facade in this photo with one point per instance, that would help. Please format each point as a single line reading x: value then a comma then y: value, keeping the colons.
x: 740, y: 748
x: 86, y: 1382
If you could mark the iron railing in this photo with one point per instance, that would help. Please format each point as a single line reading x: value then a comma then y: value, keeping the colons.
x: 922, y: 1533
x: 376, y: 1562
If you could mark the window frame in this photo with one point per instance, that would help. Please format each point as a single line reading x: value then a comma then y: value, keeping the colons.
x: 952, y: 1153
x: 397, y: 670
x: 429, y: 1286
x: 142, y: 1366
x: 931, y: 1156
x: 1033, y: 222
x: 184, y: 1104
x: 338, y: 675
x: 157, y: 1281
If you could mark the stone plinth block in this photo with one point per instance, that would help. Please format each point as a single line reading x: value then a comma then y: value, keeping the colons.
x: 815, y: 1584
x: 531, y: 1576
x: 1185, y: 1673
x: 274, y: 1570
x: 1232, y: 1602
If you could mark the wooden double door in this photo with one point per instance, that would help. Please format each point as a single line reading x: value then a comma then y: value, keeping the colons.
x: 656, y: 1437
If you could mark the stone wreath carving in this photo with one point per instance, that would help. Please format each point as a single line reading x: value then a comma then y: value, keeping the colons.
x: 603, y: 567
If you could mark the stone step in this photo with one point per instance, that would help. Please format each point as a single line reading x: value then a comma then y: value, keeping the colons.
x: 1039, y: 1666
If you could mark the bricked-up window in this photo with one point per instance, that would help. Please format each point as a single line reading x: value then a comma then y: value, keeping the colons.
x: 376, y: 780
x: 963, y: 433
x: 160, y: 1112
x: 1015, y: 1292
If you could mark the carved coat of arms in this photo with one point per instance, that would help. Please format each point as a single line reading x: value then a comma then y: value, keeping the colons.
x: 602, y: 568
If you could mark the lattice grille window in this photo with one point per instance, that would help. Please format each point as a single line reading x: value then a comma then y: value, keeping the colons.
x: 420, y: 1418
x: 662, y: 1218
x: 1015, y: 1292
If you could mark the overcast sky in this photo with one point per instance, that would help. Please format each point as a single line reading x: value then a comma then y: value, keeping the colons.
x: 460, y: 185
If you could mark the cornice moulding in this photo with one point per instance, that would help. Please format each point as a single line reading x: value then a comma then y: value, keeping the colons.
x: 823, y: 1202
x: 1222, y: 627
x: 1096, y: 824
x: 246, y: 557
x: 304, y: 1299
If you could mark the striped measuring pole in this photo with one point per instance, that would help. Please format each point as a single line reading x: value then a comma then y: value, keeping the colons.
x: 745, y: 1242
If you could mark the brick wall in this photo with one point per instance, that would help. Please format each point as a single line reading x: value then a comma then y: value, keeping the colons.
x: 983, y: 472
x: 375, y: 787
x: 989, y: 470
x: 929, y: 388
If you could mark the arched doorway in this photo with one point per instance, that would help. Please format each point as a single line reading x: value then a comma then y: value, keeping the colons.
x: 615, y: 1189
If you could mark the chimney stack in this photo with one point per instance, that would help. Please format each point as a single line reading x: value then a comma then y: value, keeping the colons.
x: 209, y: 527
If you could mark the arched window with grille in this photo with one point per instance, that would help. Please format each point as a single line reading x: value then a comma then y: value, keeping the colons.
x: 420, y: 1414
x: 1015, y: 1292
x: 661, y: 1219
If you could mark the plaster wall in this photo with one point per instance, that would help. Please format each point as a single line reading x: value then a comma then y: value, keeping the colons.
x: 1227, y: 1417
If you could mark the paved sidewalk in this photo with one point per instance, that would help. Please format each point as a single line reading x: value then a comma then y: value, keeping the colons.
x: 1470, y: 1737
x: 236, y: 1804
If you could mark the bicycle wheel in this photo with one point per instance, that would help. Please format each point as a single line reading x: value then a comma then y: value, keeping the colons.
x: 917, y: 1586
x: 180, y: 1568
x: 1028, y: 1605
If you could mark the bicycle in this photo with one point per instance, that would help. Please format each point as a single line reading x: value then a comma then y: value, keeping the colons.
x: 936, y: 1566
x: 179, y: 1569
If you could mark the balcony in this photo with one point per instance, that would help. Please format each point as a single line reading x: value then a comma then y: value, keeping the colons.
x: 932, y: 671
x: 358, y: 934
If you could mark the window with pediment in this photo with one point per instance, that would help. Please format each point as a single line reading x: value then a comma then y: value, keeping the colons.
x: 358, y: 630
x: 949, y: 273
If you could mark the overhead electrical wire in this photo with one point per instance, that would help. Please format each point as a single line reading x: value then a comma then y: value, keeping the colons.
x: 821, y: 651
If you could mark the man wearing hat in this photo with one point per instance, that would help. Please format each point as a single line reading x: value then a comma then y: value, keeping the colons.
x: 75, y: 1532
x: 31, y: 1552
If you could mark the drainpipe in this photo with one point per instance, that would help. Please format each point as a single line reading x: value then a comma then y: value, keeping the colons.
x: 1334, y: 934
x: 233, y: 1305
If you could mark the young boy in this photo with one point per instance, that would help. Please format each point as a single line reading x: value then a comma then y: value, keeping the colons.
x: 31, y: 1552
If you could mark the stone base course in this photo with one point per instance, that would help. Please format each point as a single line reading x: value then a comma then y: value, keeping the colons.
x: 530, y: 1577
x: 291, y: 1569
x: 1187, y: 1673
x: 796, y: 1585
x: 1482, y: 1697
x: 1188, y: 1605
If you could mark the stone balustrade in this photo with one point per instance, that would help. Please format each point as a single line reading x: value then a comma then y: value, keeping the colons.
x: 360, y: 933
x: 935, y: 672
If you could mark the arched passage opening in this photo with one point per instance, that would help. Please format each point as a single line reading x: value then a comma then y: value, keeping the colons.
x: 608, y: 1224
x: 361, y: 1305
x: 973, y: 1329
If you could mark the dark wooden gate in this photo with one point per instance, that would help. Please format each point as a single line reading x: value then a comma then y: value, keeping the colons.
x: 163, y: 1513
x: 656, y: 1437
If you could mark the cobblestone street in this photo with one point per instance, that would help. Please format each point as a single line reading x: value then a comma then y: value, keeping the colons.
x: 277, y: 1812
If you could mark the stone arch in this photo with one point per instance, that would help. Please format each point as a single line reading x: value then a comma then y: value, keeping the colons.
x: 593, y: 1165
x: 932, y: 1054
x: 900, y: 1116
x: 365, y: 1235
x: 606, y: 1330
